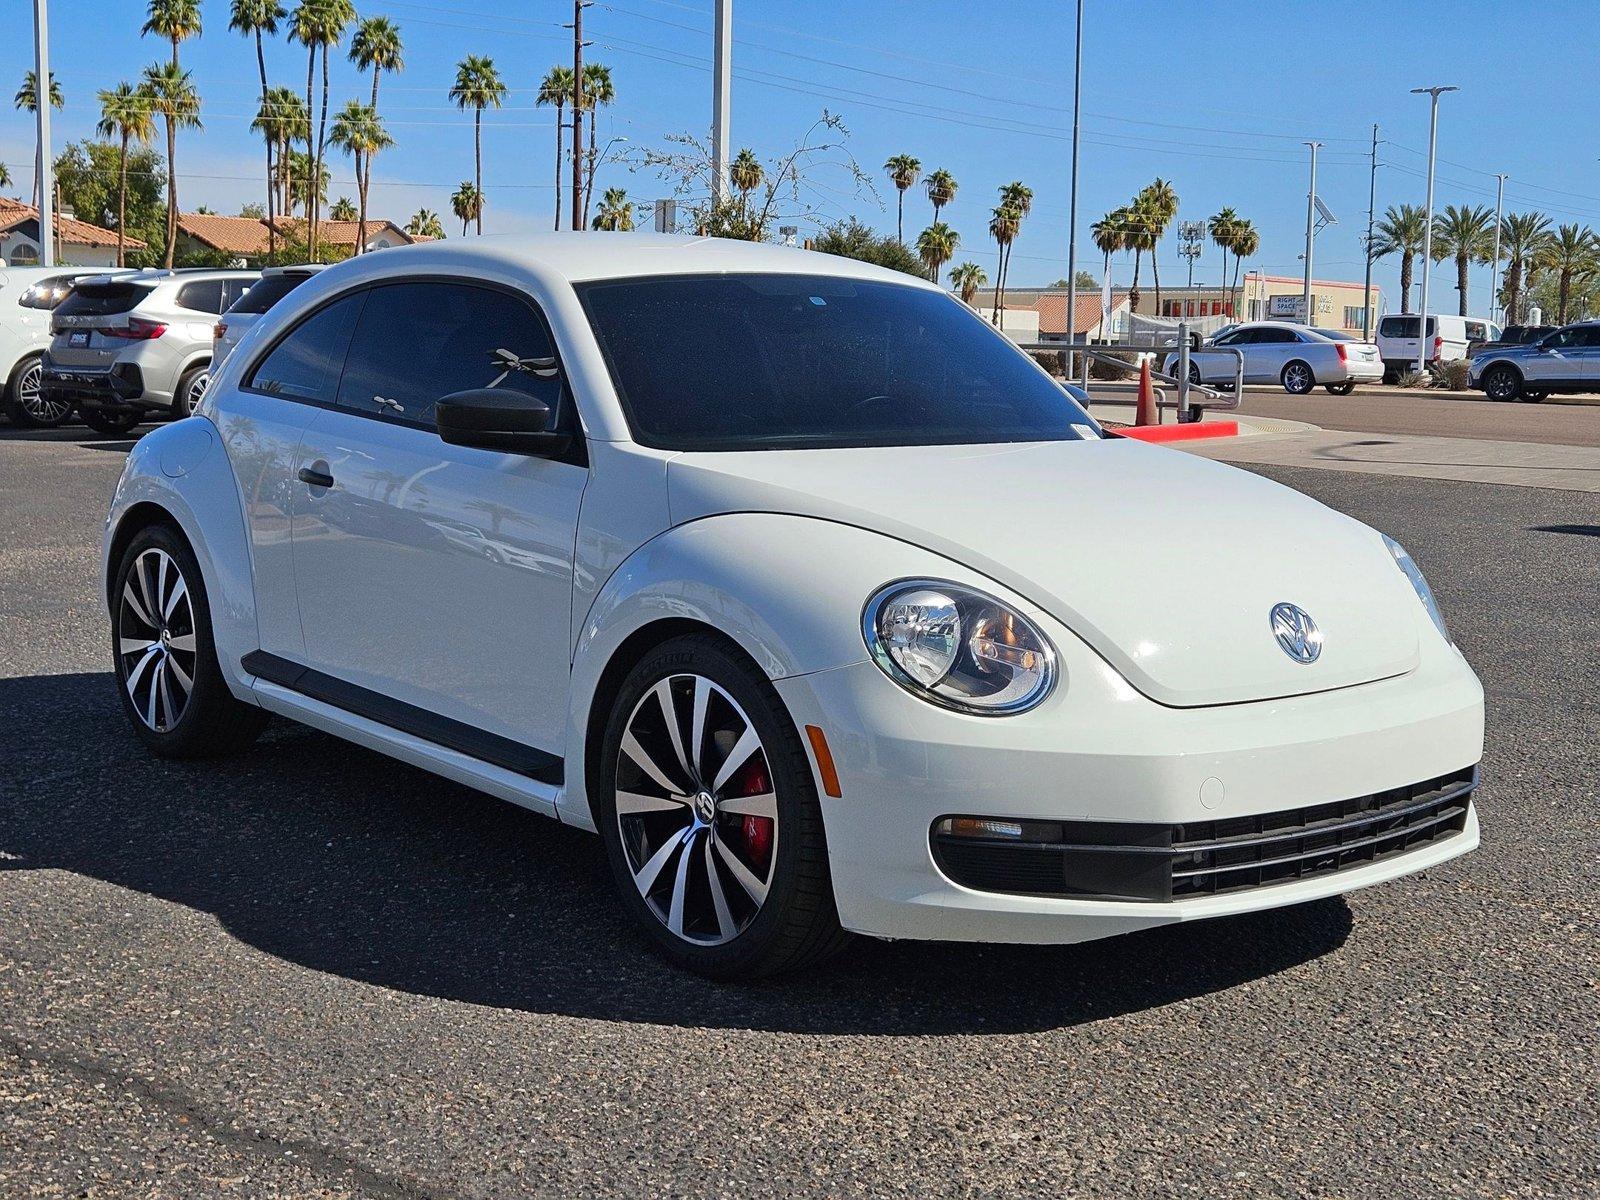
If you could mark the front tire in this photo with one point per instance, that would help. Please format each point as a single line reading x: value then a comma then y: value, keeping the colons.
x: 111, y: 421
x: 1502, y: 383
x: 710, y: 816
x: 1298, y: 378
x: 1341, y: 389
x: 25, y: 401
x: 172, y: 689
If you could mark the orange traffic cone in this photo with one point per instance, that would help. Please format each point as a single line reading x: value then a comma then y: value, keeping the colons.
x: 1146, y: 412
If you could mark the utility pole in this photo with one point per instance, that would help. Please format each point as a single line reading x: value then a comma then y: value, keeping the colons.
x: 1072, y: 205
x: 1311, y: 234
x: 721, y: 99
x: 1372, y: 205
x: 1427, y: 231
x: 44, y: 168
x: 577, y: 112
x: 1494, y: 270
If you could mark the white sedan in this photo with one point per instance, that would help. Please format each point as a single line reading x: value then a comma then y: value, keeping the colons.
x: 1279, y: 352
x: 798, y: 583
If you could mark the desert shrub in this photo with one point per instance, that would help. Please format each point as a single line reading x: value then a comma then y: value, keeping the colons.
x: 1415, y: 379
x: 1453, y: 375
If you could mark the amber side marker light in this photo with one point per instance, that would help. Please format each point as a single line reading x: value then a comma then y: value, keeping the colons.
x: 824, y: 756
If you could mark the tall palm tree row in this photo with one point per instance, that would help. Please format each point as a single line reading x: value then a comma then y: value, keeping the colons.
x: 556, y: 89
x: 1573, y: 253
x: 1016, y: 201
x: 318, y: 25
x: 904, y: 171
x: 941, y: 188
x: 259, y: 19
x: 1110, y: 234
x: 936, y: 245
x: 1223, y: 229
x: 359, y: 132
x: 1246, y: 243
x: 598, y: 90
x: 1466, y: 235
x: 1523, y: 239
x: 124, y: 115
x: 376, y: 47
x: 478, y: 86
x: 27, y: 99
x: 1401, y: 231
x: 171, y: 95
x: 283, y: 121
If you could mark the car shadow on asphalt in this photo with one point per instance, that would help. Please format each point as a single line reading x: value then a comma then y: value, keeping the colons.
x: 347, y: 862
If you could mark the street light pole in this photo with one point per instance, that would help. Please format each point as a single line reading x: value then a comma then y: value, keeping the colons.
x: 1072, y: 204
x: 1311, y: 234
x: 1427, y: 231
x: 1494, y: 269
x: 1372, y: 204
x: 721, y: 98
x: 44, y: 168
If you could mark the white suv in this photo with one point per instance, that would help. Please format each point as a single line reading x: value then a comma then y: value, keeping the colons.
x: 125, y: 345
x: 27, y: 297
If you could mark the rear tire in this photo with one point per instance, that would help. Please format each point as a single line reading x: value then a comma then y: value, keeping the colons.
x: 1298, y: 378
x: 111, y: 422
x: 727, y: 877
x: 1340, y: 389
x: 171, y: 687
x: 24, y: 403
x: 191, y: 390
x: 1502, y: 383
x: 1533, y: 397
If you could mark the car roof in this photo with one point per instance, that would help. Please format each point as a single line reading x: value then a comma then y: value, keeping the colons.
x: 293, y: 269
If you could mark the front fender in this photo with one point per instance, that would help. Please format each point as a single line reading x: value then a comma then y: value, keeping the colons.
x: 181, y: 470
x: 789, y: 590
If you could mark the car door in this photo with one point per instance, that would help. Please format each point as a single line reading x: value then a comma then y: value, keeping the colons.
x: 1555, y: 364
x: 1269, y: 351
x: 261, y: 424
x: 1584, y: 359
x: 435, y: 581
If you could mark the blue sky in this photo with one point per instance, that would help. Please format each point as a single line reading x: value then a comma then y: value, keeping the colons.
x: 1215, y: 97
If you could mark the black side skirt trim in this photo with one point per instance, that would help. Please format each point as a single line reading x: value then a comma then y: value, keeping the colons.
x: 407, y: 718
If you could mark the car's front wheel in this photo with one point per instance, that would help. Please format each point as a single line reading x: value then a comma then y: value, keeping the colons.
x: 25, y: 400
x: 710, y: 816
x: 1533, y: 397
x: 171, y: 687
x: 1298, y: 378
x: 1502, y: 383
x: 1341, y: 389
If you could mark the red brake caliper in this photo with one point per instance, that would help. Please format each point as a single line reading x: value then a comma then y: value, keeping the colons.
x: 757, y: 831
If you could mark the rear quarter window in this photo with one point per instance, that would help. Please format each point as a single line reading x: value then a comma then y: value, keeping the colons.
x: 264, y: 293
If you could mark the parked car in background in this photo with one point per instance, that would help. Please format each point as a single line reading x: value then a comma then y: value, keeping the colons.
x: 28, y: 295
x: 1448, y: 338
x: 1567, y: 360
x: 127, y: 347
x: 1281, y: 352
x: 275, y: 283
x: 1513, y: 335
x: 798, y: 583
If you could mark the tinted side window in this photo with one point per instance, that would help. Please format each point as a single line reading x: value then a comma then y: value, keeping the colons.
x: 305, y: 365
x: 1274, y: 337
x: 266, y: 292
x: 1587, y: 337
x: 203, y: 295
x: 416, y: 342
x: 232, y: 289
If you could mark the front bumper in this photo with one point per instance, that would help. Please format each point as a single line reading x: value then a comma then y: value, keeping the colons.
x: 1097, y: 753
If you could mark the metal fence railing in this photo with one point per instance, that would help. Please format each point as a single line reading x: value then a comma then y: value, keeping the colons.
x: 1193, y: 396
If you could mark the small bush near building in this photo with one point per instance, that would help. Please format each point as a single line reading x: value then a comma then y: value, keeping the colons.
x: 1453, y: 375
x: 1100, y: 368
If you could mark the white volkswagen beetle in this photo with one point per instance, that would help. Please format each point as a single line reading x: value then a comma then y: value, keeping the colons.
x: 798, y: 583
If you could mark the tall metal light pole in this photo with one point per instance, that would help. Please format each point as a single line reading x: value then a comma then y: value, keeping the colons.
x: 577, y: 113
x: 44, y: 169
x: 1494, y: 270
x: 721, y: 98
x: 1427, y: 231
x: 1311, y: 234
x: 1372, y: 204
x: 1072, y: 204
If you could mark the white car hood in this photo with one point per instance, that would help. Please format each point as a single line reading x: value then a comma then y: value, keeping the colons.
x: 1167, y: 564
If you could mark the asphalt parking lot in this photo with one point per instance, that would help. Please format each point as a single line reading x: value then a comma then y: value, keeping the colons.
x: 312, y: 971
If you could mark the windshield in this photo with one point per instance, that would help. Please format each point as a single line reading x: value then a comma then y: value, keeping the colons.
x: 756, y: 362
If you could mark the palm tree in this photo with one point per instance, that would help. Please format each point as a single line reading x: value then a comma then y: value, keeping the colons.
x: 1574, y: 253
x: 175, y: 20
x: 967, y: 279
x: 904, y: 171
x: 303, y: 170
x: 359, y: 132
x: 1246, y: 242
x: 171, y: 93
x: 597, y: 90
x: 478, y: 86
x: 318, y: 25
x: 1110, y: 234
x: 255, y: 18
x: 1466, y: 235
x: 28, y: 101
x: 5, y: 175
x: 936, y: 245
x: 1141, y: 239
x: 1003, y: 229
x: 467, y: 204
x: 615, y: 213
x: 377, y: 47
x: 124, y: 115
x: 556, y: 89
x: 1161, y: 206
x: 344, y: 208
x: 1224, y: 231
x: 425, y: 223
x: 1523, y: 236
x: 746, y: 174
x: 1017, y: 197
x: 283, y: 121
x: 1401, y: 231
x: 941, y: 187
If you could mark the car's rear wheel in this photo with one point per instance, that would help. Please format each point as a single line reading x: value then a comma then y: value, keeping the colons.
x: 1502, y: 383
x: 26, y: 404
x: 710, y: 816
x: 171, y: 687
x: 1533, y: 397
x: 191, y: 390
x: 1194, y: 374
x: 112, y: 421
x: 1298, y: 378
x: 1341, y: 389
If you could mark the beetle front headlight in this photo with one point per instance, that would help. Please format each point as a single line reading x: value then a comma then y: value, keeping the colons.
x: 1419, y: 583
x: 959, y: 648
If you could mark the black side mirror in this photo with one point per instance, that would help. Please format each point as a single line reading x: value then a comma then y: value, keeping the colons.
x: 492, y: 419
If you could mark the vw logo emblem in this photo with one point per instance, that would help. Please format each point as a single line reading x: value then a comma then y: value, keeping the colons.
x: 1296, y: 632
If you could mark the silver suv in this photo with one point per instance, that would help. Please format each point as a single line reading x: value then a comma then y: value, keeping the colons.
x: 126, y: 346
x: 1567, y: 360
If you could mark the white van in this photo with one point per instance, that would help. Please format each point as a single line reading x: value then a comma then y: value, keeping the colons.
x: 1450, y: 335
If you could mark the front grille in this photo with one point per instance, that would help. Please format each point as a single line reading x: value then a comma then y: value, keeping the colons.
x: 1147, y: 861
